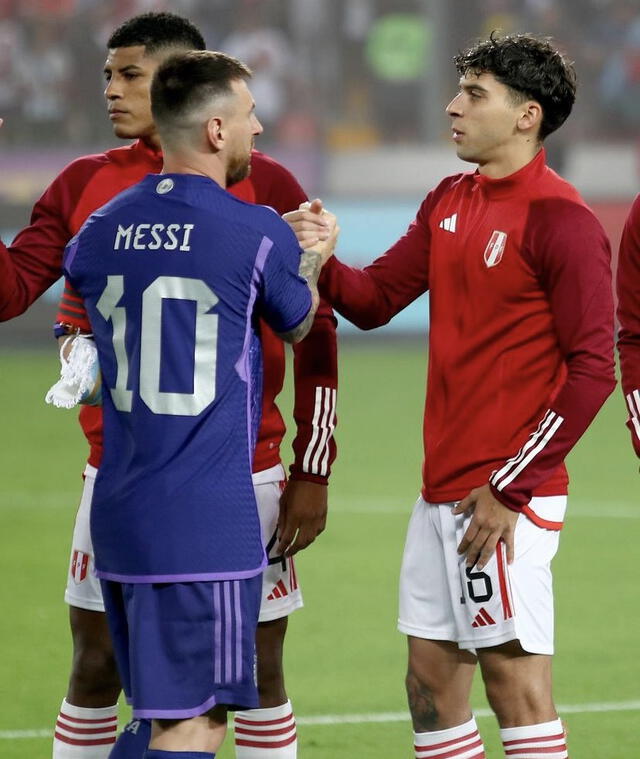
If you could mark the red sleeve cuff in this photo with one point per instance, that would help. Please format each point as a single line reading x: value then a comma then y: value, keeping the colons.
x: 505, y: 500
x: 296, y: 474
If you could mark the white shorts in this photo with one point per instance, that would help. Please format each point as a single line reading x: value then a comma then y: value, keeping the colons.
x: 442, y: 599
x: 280, y: 591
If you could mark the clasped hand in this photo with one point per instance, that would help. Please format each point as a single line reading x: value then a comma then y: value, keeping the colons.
x: 315, y: 227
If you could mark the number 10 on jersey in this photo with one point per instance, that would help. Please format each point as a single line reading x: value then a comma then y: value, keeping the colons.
x: 204, y: 336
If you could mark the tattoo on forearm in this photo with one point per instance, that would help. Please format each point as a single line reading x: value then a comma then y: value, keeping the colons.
x: 310, y: 266
x: 421, y: 705
x: 300, y: 332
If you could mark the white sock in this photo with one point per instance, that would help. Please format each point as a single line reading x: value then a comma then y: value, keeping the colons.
x: 85, y: 733
x: 533, y: 741
x: 266, y: 733
x: 461, y: 742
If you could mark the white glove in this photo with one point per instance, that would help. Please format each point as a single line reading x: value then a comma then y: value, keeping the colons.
x: 79, y: 374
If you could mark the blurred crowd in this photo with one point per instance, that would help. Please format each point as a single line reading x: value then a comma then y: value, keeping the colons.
x: 603, y: 38
x: 349, y: 72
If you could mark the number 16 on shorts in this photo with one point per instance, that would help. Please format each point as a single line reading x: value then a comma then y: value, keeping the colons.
x: 508, y: 602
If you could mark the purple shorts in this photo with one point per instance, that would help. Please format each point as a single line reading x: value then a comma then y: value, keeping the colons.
x: 183, y: 648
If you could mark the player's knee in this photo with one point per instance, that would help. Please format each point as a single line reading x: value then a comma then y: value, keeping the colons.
x: 437, y: 698
x: 205, y: 732
x: 269, y: 648
x: 426, y: 671
x: 270, y: 682
x: 518, y: 685
x: 270, y: 675
x: 422, y: 702
x: 94, y: 667
x: 519, y: 701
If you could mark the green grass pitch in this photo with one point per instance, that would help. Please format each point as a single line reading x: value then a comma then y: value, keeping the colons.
x: 344, y: 656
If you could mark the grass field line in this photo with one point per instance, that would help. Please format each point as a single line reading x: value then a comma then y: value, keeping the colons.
x: 578, y: 509
x: 355, y: 719
x: 360, y: 719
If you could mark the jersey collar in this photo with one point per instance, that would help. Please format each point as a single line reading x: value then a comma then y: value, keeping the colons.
x: 150, y: 153
x: 507, y: 185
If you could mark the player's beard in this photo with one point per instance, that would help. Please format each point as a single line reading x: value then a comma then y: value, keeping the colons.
x: 238, y: 169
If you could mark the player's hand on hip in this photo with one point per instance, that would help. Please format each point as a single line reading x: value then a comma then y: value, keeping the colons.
x: 309, y: 223
x: 303, y: 515
x: 491, y: 521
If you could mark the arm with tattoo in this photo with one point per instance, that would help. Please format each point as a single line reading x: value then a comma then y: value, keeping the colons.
x: 311, y: 263
x: 310, y: 267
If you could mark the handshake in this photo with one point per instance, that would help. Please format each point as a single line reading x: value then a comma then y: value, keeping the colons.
x: 316, y: 229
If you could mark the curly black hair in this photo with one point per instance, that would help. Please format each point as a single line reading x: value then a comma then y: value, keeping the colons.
x: 157, y: 31
x: 532, y: 68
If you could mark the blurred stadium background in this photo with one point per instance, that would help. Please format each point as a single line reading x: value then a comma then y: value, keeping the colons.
x: 352, y: 95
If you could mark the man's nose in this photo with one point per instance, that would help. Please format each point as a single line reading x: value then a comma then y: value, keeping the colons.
x: 453, y: 109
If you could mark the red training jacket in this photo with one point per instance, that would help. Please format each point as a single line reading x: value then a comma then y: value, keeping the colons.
x: 521, y: 328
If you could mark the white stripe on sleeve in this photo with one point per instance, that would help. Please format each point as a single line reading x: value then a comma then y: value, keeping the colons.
x: 316, y: 457
x: 536, y: 443
x: 316, y: 430
x: 633, y: 402
x: 319, y: 463
x: 324, y: 464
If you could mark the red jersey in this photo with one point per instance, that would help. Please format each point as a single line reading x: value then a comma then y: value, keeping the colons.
x: 34, y: 261
x: 628, y: 287
x: 521, y: 328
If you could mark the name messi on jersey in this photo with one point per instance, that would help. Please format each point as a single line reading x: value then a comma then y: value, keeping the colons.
x: 153, y: 237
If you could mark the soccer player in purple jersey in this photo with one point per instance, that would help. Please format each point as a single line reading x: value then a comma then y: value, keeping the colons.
x: 174, y: 274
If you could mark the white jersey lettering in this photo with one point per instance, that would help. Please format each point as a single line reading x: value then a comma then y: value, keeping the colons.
x: 154, y: 237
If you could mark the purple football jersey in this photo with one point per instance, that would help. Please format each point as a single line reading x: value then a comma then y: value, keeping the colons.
x: 175, y: 273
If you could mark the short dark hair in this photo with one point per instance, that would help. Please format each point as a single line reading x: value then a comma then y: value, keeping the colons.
x: 157, y: 31
x: 532, y: 68
x: 186, y: 81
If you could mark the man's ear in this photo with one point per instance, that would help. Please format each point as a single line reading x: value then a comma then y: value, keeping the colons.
x: 216, y: 132
x: 530, y: 116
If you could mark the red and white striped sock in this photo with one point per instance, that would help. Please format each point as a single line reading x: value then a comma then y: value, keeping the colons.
x: 461, y: 742
x: 85, y: 733
x: 546, y: 739
x: 266, y: 733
